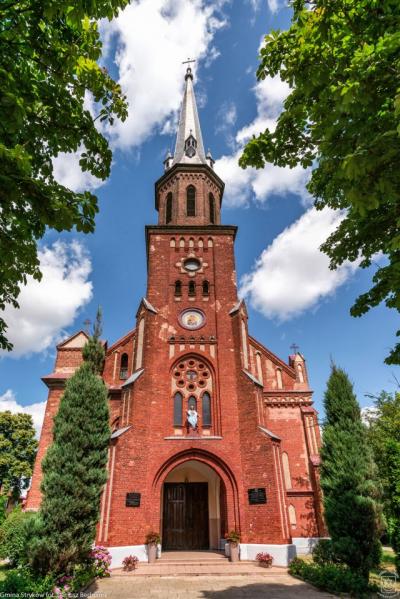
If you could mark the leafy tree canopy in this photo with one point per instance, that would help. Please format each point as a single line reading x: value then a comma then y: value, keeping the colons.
x: 384, y: 436
x: 341, y: 59
x: 93, y: 351
x: 17, y: 451
x: 48, y: 63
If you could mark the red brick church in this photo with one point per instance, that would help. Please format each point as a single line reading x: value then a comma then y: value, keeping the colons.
x: 211, y: 431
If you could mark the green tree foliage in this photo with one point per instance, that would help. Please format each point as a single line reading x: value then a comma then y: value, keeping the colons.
x: 15, y: 534
x: 341, y: 59
x: 348, y: 479
x: 48, y: 62
x: 93, y: 351
x: 384, y: 435
x: 74, y: 473
x: 18, y: 448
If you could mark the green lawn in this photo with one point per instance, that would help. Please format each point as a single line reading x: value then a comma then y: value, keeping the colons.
x: 388, y: 559
x: 386, y: 564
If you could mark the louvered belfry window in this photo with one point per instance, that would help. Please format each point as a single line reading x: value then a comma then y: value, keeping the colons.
x: 191, y: 201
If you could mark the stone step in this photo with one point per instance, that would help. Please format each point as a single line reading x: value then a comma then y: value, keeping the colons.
x: 192, y: 557
x: 190, y: 569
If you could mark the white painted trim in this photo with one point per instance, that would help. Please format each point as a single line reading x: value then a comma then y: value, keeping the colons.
x: 118, y: 554
x: 305, y: 545
x: 282, y: 554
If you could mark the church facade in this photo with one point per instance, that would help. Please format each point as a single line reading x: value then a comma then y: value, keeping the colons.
x: 211, y: 431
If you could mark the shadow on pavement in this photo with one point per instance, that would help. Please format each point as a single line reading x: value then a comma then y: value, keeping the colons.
x: 194, y: 587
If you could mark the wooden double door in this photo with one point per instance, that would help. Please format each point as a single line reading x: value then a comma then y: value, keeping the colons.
x: 185, y: 516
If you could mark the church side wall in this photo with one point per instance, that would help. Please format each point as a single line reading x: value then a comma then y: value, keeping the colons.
x: 46, y: 438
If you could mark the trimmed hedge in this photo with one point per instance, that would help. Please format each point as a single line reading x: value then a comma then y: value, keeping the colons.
x: 334, y: 578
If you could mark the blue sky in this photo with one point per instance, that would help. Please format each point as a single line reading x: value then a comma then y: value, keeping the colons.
x: 290, y: 292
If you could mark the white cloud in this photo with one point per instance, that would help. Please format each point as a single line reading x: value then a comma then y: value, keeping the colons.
x: 292, y: 274
x: 273, y: 5
x: 48, y: 306
x: 225, y: 121
x: 271, y: 180
x: 369, y: 414
x: 243, y: 184
x: 9, y: 403
x: 255, y: 4
x: 153, y: 38
x: 67, y: 172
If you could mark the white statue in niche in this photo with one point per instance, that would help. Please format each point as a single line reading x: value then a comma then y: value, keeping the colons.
x: 192, y: 418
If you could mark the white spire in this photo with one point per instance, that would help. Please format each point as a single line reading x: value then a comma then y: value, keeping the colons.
x: 189, y: 147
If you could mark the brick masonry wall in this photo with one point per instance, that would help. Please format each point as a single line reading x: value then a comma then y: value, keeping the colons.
x: 244, y: 456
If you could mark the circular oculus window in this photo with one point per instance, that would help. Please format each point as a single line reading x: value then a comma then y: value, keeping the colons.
x: 192, y: 319
x: 191, y: 264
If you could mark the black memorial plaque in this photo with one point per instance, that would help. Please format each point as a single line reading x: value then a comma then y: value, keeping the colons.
x: 132, y: 500
x: 257, y: 496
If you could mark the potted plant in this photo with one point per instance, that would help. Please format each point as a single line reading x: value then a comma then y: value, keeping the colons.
x: 130, y: 563
x: 233, y: 538
x: 264, y: 559
x: 152, y: 540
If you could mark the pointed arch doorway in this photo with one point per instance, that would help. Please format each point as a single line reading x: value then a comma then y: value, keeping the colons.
x: 193, y: 508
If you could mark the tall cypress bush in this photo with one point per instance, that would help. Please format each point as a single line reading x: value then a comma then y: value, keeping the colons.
x: 348, y: 479
x: 75, y: 466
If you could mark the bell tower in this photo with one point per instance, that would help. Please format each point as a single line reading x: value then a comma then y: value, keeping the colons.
x: 189, y: 192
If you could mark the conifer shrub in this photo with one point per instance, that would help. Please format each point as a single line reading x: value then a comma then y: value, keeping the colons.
x: 323, y: 553
x: 74, y: 468
x: 348, y: 479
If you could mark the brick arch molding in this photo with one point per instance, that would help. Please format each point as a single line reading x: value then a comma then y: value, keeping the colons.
x: 218, y: 465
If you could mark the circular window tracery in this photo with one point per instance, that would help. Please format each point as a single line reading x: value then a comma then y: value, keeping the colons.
x: 192, y: 374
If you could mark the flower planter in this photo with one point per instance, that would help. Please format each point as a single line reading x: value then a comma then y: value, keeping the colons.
x: 233, y: 552
x: 264, y: 564
x: 152, y: 552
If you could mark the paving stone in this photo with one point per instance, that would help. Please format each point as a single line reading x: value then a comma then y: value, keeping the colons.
x: 204, y: 587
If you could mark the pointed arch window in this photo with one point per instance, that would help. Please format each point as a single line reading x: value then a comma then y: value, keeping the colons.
x: 178, y: 409
x: 192, y: 288
x: 123, y: 372
x: 190, y: 146
x: 206, y: 409
x: 211, y: 203
x: 206, y: 288
x: 168, y: 209
x: 178, y: 288
x: 191, y: 201
x: 192, y: 403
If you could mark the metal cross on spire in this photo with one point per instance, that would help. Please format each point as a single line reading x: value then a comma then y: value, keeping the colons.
x: 295, y: 348
x: 189, y: 60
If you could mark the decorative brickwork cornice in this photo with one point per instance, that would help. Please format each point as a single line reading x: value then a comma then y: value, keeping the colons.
x: 287, y: 399
x: 190, y: 340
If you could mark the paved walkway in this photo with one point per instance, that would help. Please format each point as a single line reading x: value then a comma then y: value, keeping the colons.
x: 271, y: 586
